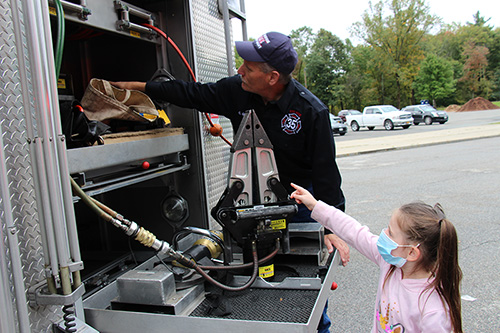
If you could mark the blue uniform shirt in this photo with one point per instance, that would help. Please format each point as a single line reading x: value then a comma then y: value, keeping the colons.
x: 297, y: 125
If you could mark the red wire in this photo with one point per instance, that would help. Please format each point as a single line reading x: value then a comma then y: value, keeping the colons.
x: 171, y: 42
x: 164, y: 35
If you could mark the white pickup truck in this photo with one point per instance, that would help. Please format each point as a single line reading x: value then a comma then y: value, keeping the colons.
x: 380, y: 115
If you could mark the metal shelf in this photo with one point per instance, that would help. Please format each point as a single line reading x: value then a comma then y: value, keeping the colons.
x: 109, y: 155
x: 116, y: 165
x: 110, y: 15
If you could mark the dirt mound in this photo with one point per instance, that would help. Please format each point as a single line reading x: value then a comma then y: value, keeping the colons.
x: 452, y: 108
x: 477, y: 104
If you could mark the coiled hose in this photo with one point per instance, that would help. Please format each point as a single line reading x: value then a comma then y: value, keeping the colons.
x: 216, y: 283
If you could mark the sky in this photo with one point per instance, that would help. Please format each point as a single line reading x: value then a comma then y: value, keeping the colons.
x: 338, y: 16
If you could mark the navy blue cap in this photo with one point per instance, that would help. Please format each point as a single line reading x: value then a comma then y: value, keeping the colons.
x: 274, y: 48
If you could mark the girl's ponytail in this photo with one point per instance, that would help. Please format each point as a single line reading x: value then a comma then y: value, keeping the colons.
x: 448, y: 273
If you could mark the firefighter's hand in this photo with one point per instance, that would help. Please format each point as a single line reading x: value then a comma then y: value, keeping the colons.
x: 332, y: 240
x: 130, y: 85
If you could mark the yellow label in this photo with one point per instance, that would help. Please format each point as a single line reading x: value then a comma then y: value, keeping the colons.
x: 278, y: 224
x: 135, y: 34
x: 52, y: 11
x: 266, y: 271
x: 61, y: 83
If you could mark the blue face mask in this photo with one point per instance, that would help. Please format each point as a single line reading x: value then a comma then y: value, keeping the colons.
x: 385, y: 246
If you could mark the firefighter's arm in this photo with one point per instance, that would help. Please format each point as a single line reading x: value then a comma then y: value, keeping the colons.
x: 130, y: 85
x: 332, y: 240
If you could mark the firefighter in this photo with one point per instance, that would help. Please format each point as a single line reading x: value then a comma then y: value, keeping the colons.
x: 296, y: 122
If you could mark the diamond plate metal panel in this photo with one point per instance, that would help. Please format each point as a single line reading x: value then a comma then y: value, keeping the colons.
x: 15, y: 116
x: 211, y: 66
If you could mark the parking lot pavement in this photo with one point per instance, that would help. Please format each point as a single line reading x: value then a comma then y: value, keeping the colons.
x: 403, y: 141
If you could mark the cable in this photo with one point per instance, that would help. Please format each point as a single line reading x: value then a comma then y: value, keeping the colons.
x: 171, y: 42
x: 89, y: 202
x: 60, y: 36
x: 247, y: 265
x: 216, y: 283
x: 215, y: 129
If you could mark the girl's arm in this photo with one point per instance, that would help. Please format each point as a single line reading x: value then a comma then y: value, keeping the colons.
x: 348, y: 229
x: 340, y: 223
x: 303, y: 196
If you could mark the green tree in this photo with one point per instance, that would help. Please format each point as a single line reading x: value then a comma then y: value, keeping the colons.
x: 302, y: 39
x: 397, y: 36
x: 479, y: 20
x: 444, y: 44
x: 494, y: 64
x: 326, y: 67
x: 238, y: 60
x: 454, y: 42
x: 475, y: 68
x: 435, y: 79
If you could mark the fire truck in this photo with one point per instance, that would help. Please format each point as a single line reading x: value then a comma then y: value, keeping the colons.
x: 151, y: 225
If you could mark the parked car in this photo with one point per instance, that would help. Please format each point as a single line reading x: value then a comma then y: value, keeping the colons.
x: 338, y: 126
x: 426, y: 113
x: 380, y: 115
x: 344, y: 113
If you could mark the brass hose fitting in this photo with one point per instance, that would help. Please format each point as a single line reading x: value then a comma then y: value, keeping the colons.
x: 145, y: 237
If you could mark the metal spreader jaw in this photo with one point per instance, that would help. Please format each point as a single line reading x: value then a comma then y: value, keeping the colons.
x: 255, y: 205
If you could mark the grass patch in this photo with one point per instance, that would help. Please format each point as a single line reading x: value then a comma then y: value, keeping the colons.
x: 497, y: 103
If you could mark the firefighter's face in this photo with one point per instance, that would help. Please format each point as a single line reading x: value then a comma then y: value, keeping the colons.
x: 253, y: 78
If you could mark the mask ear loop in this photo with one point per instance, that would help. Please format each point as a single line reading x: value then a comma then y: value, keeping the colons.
x: 409, y: 245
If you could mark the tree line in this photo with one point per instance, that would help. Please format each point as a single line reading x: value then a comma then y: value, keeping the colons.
x: 406, y: 55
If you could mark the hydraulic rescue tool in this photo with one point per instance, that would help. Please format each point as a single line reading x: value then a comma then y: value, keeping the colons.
x: 255, y: 206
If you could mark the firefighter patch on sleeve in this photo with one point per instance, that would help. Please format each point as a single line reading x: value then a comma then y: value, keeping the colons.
x: 291, y: 123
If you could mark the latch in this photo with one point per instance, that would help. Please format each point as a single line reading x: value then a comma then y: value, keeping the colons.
x: 124, y: 24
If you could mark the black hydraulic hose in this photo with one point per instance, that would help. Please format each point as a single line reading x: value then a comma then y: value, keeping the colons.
x: 204, y: 232
x: 216, y: 283
x: 247, y: 265
x: 89, y: 202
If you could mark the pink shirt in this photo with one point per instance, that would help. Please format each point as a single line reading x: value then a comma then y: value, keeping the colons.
x: 401, y: 304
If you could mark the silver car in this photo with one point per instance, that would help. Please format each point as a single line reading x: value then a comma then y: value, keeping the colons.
x: 338, y: 126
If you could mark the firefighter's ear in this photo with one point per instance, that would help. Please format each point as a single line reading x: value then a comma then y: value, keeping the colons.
x: 274, y: 77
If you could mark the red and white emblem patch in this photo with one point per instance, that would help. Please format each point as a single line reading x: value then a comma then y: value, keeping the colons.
x: 291, y: 123
x: 261, y: 40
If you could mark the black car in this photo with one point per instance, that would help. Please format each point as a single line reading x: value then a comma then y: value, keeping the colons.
x: 426, y: 113
x: 338, y: 126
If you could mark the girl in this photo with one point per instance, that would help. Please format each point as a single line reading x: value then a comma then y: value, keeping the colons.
x: 417, y: 253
